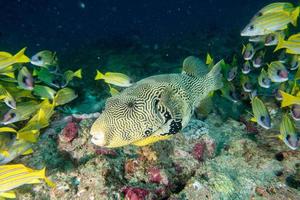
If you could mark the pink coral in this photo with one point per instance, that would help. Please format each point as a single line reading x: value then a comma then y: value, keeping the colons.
x: 70, y: 132
x: 157, y: 176
x: 132, y: 193
x: 198, y: 151
x: 105, y: 151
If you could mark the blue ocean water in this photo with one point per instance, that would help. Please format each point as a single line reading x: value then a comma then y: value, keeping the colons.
x: 65, y: 25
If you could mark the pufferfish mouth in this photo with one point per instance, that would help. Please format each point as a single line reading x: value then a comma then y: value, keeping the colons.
x: 98, y: 138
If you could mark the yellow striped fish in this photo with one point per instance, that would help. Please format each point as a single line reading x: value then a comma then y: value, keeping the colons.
x: 292, y: 45
x: 13, y: 176
x: 274, y: 7
x: 288, y: 133
x: 271, y: 22
x: 113, y: 78
x: 22, y: 112
x: 6, y: 59
x: 261, y: 114
x: 7, y: 98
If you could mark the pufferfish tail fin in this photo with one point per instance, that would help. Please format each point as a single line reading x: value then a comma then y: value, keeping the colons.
x: 193, y: 66
x: 214, y: 77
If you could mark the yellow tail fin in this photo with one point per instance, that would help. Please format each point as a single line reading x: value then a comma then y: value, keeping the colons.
x: 7, y: 129
x: 42, y: 174
x: 99, y: 75
x: 29, y: 151
x: 20, y: 57
x: 280, y: 43
x: 288, y: 99
x: 209, y: 59
x: 30, y: 135
x: 5, y: 54
x: 294, y: 16
x: 78, y: 73
x: 243, y: 49
x: 8, y: 195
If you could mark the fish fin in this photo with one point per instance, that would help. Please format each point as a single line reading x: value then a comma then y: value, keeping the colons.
x: 42, y: 173
x: 9, y: 195
x: 4, y: 153
x: 78, y: 73
x: 294, y: 16
x: 5, y: 54
x: 99, y: 75
x: 9, y: 74
x: 205, y: 106
x: 35, y: 72
x: 288, y: 99
x: 209, y: 59
x: 7, y: 129
x: 297, y: 75
x: 29, y: 151
x: 151, y: 140
x: 173, y: 102
x: 253, y: 119
x: 214, y: 77
x: 28, y: 135
x: 34, y: 181
x: 243, y: 49
x: 290, y: 51
x: 280, y: 43
x: 275, y: 136
x: 193, y: 66
x: 20, y: 57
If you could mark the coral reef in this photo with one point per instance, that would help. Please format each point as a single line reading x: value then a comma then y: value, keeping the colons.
x: 211, y: 159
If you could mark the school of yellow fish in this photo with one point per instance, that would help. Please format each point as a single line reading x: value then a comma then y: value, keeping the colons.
x: 271, y: 59
x: 30, y: 89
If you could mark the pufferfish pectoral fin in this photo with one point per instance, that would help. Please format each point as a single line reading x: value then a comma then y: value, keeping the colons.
x: 151, y: 139
x: 173, y: 102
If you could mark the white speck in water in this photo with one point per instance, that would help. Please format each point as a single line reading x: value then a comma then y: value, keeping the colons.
x: 81, y: 4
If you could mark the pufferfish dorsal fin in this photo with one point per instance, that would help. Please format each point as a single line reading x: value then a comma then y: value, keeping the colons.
x: 193, y: 66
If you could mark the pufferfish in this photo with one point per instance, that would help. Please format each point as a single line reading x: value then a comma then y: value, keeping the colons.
x: 157, y: 107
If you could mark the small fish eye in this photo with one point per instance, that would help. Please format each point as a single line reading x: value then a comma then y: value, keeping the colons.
x: 12, y: 115
x: 39, y: 58
x: 259, y: 14
x: 24, y: 80
x: 278, y: 72
x: 295, y: 64
x: 251, y: 27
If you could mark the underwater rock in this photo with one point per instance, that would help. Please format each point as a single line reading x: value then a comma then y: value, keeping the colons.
x: 69, y: 132
x: 157, y: 176
x: 135, y: 193
x: 195, y: 129
x: 198, y: 151
x: 232, y: 166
